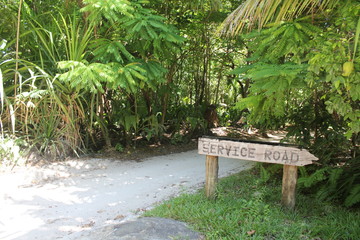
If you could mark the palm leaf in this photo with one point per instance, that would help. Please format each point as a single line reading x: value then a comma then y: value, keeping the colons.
x: 261, y: 12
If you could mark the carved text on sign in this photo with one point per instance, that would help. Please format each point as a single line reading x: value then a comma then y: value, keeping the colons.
x: 255, y: 151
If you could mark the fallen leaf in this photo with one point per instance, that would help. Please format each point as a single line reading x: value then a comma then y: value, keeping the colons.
x: 119, y: 217
x: 251, y: 232
x: 87, y: 225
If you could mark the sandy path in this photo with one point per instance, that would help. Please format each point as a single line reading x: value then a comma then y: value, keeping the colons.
x: 68, y: 200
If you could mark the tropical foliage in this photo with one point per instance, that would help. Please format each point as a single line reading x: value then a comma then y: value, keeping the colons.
x: 303, y: 74
x: 79, y: 76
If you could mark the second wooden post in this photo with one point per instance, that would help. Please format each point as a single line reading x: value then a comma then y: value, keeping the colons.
x: 212, y: 169
x: 289, y: 186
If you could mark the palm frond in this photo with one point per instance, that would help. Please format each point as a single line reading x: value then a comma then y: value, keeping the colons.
x: 258, y: 13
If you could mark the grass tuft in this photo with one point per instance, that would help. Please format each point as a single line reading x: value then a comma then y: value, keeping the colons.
x: 248, y: 208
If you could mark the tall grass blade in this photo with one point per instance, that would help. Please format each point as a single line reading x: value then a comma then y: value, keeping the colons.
x: 12, y: 116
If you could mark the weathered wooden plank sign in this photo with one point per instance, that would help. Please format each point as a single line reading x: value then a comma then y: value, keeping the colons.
x: 290, y: 156
x: 259, y: 152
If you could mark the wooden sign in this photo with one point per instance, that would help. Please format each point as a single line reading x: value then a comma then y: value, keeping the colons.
x: 288, y: 155
x: 255, y: 151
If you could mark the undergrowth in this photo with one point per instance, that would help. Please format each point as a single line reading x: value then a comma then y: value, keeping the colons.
x: 248, y: 208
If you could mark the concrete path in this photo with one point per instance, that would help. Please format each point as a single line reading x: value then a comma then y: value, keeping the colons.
x: 69, y: 200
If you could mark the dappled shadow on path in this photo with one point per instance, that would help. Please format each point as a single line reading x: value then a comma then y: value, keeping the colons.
x: 97, y: 192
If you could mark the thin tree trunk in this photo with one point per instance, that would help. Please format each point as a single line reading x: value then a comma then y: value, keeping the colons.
x: 316, y: 110
x: 147, y: 97
x: 17, y: 47
x: 103, y: 126
x: 169, y: 78
x: 217, y: 87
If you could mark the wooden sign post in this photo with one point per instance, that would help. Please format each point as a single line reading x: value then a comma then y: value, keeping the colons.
x: 290, y: 156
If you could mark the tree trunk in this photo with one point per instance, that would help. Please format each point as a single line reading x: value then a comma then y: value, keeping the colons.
x: 103, y: 126
x: 147, y: 97
x: 17, y: 47
x: 169, y: 79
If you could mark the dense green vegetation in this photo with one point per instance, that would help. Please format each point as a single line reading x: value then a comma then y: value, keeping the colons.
x: 249, y: 208
x: 86, y: 75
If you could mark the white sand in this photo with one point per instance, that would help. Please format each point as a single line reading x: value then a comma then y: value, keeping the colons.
x: 67, y: 200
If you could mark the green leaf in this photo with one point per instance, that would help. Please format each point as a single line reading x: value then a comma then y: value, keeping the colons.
x: 354, y: 196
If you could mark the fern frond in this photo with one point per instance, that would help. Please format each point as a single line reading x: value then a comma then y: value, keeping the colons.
x: 335, y: 175
x: 354, y: 196
x: 128, y: 77
x: 70, y: 64
x: 111, y: 10
x: 151, y: 32
x: 264, y: 174
x: 313, y: 179
x: 249, y: 102
x: 154, y: 71
x: 86, y: 77
x: 262, y: 71
x: 111, y: 51
x: 241, y: 69
x: 281, y: 40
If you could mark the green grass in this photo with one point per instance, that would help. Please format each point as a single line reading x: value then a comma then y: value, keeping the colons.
x: 247, y: 208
